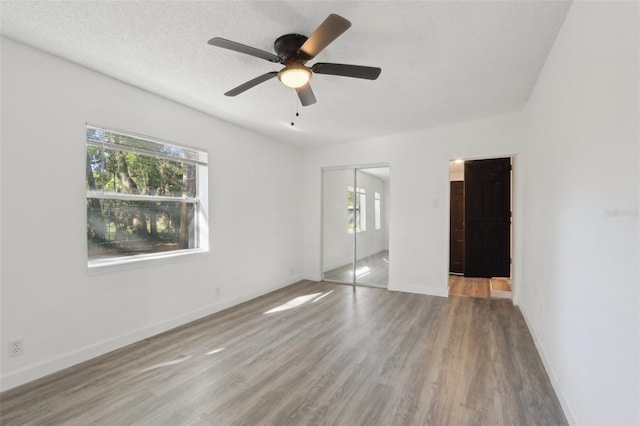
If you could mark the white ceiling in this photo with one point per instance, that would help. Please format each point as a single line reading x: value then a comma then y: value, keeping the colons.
x: 442, y: 61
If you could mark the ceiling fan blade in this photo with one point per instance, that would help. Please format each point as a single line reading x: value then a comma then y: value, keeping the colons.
x: 357, y: 71
x: 306, y: 95
x: 249, y: 84
x: 328, y: 31
x: 248, y: 50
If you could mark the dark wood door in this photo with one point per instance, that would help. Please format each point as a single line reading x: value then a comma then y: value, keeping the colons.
x: 456, y: 228
x: 487, y: 202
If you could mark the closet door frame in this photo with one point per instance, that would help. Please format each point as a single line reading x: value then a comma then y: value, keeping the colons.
x: 354, y: 169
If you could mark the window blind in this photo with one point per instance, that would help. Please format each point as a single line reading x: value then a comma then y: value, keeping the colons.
x: 139, y: 144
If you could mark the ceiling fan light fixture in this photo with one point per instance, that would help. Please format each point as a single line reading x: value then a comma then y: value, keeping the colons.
x: 293, y: 51
x: 295, y: 76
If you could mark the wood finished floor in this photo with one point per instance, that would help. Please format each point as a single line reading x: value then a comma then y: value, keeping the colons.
x: 342, y: 356
x: 484, y: 288
x: 471, y: 287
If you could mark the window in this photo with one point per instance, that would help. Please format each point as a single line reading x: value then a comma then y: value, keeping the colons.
x: 144, y: 197
x: 377, y: 209
x: 356, y: 209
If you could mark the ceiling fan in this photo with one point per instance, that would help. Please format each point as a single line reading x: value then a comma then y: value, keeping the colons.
x: 293, y: 51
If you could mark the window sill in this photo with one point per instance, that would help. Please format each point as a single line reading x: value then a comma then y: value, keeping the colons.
x: 100, y: 266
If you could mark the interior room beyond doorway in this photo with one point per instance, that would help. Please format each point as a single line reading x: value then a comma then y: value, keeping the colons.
x: 480, y: 228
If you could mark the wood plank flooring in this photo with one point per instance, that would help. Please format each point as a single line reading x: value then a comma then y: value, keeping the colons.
x: 326, y: 354
x: 471, y: 287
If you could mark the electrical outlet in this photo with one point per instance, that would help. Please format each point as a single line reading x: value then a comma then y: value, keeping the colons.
x: 217, y: 291
x: 15, y: 347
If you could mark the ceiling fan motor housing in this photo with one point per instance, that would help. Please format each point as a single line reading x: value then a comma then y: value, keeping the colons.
x: 287, y: 47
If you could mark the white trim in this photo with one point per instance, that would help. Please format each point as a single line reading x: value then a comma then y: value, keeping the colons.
x: 199, y: 160
x: 377, y: 211
x: 555, y: 383
x: 312, y: 276
x: 513, y: 232
x: 65, y: 360
x: 354, y: 168
x: 131, y: 262
x: 419, y: 289
x: 108, y: 195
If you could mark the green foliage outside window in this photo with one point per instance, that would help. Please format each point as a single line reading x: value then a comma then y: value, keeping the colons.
x: 353, y: 209
x: 141, y: 196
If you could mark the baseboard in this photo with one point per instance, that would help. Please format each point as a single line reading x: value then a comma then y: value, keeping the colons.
x: 557, y: 387
x: 312, y: 276
x: 43, y: 368
x: 420, y: 289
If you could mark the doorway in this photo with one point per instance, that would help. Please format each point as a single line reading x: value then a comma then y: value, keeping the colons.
x: 355, y: 225
x: 480, y: 228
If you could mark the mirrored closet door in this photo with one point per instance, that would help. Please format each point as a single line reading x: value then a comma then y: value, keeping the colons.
x: 355, y: 231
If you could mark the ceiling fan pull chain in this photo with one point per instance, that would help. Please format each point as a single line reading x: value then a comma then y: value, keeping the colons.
x: 295, y: 99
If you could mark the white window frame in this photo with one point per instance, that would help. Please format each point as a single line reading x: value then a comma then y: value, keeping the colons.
x: 182, y: 153
x: 361, y: 201
x: 377, y: 211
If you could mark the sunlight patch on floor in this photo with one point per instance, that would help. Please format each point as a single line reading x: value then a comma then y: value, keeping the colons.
x: 320, y: 297
x: 299, y: 301
x: 294, y: 303
x: 166, y: 364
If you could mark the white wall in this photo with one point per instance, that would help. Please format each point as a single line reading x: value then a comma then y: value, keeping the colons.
x: 419, y: 193
x: 580, y: 280
x: 49, y: 299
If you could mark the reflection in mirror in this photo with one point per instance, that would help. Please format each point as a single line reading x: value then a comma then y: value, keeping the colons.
x: 339, y: 217
x: 372, y: 242
x: 355, y: 220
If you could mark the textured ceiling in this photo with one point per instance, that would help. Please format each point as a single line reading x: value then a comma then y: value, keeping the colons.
x: 442, y: 61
